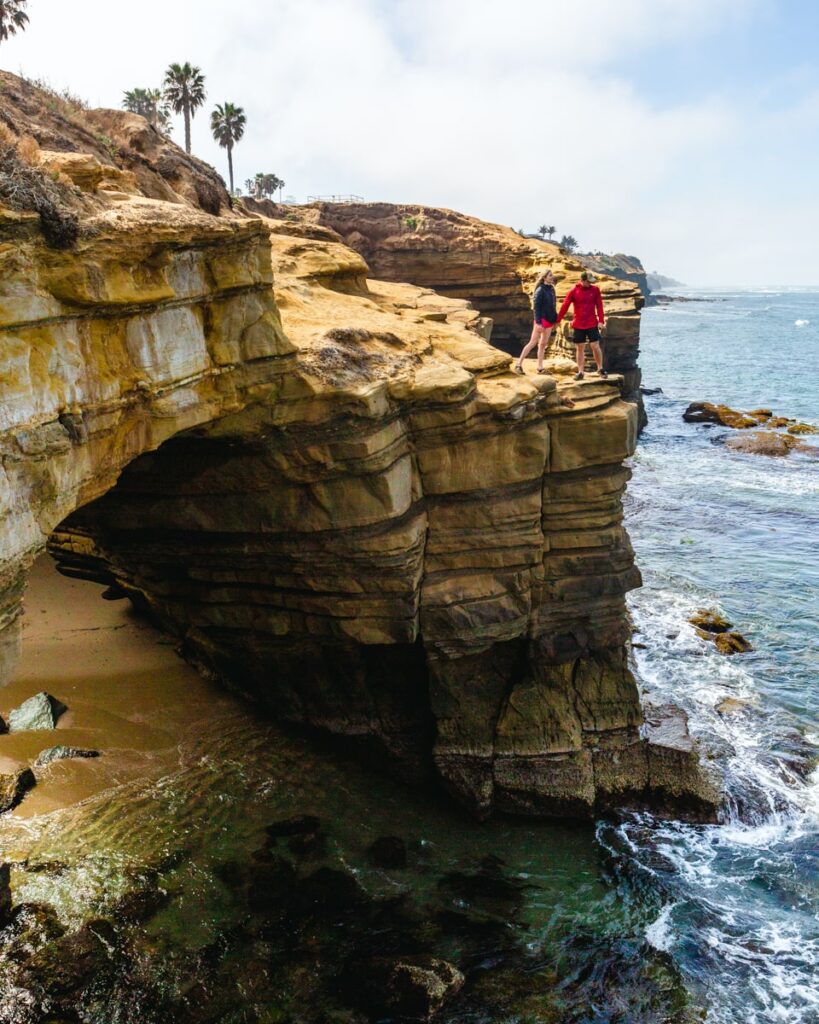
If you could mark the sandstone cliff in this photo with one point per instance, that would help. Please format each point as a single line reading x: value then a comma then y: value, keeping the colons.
x: 355, y: 514
x: 620, y: 266
x: 491, y: 266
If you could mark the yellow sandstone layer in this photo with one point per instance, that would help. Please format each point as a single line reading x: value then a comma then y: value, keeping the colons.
x: 334, y: 492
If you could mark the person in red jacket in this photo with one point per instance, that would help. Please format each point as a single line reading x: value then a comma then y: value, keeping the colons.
x: 588, y: 319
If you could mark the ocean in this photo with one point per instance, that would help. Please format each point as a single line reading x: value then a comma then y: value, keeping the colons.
x: 714, y: 528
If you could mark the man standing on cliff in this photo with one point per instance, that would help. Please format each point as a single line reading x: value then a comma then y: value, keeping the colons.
x: 588, y: 319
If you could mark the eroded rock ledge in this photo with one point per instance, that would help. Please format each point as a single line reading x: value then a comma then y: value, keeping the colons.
x: 355, y: 514
x: 407, y: 545
x: 491, y: 266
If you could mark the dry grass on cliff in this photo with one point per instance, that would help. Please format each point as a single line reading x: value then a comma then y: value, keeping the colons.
x: 24, y: 186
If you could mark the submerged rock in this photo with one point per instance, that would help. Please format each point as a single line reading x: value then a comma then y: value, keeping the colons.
x: 802, y: 428
x: 388, y: 852
x: 414, y: 987
x: 39, y: 712
x: 298, y: 826
x: 762, y: 443
x: 61, y: 753
x: 14, y: 786
x: 5, y: 894
x: 731, y: 706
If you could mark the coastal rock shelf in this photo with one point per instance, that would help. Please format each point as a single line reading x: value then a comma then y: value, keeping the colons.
x: 334, y: 493
x: 491, y: 266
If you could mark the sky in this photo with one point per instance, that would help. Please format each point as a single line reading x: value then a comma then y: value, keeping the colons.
x: 684, y: 132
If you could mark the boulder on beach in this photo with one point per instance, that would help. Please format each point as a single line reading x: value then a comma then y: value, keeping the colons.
x: 803, y: 428
x: 39, y: 712
x: 14, y: 786
x: 61, y: 753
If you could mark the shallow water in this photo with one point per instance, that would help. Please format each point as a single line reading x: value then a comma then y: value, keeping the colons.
x: 576, y: 924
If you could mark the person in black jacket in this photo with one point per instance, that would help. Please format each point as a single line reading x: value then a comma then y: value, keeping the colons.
x: 545, y: 318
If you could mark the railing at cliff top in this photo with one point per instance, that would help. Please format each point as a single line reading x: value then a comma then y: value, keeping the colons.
x: 335, y: 199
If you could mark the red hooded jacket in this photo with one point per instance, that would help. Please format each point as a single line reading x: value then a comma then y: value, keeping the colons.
x: 588, y: 306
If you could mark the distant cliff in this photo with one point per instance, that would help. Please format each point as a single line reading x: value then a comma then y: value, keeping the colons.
x: 624, y: 268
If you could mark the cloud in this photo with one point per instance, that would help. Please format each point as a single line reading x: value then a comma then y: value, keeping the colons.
x: 517, y: 112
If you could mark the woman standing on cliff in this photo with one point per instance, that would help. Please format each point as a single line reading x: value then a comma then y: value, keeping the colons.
x: 545, y: 319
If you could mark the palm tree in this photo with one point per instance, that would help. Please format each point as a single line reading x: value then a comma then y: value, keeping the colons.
x: 542, y: 230
x: 13, y: 17
x: 150, y: 104
x: 550, y: 231
x: 228, y: 126
x: 185, y: 91
x: 568, y: 243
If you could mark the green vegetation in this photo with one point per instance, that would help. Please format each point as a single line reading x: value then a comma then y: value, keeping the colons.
x: 13, y: 18
x: 184, y: 89
x: 411, y: 223
x: 227, y: 123
x: 568, y: 243
x: 264, y: 186
x: 150, y: 104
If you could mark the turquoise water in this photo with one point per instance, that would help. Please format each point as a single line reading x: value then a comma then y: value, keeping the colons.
x: 714, y: 528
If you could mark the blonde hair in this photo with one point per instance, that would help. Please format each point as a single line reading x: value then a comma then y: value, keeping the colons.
x: 548, y: 272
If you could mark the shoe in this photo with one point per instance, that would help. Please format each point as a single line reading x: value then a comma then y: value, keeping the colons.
x: 519, y: 369
x: 602, y: 373
x: 541, y: 369
x: 579, y: 376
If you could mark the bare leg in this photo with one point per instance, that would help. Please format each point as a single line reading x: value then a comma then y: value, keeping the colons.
x: 598, y: 355
x: 530, y: 344
x: 545, y: 335
x: 580, y: 352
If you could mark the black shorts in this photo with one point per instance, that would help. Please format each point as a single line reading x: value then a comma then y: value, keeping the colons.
x: 584, y: 334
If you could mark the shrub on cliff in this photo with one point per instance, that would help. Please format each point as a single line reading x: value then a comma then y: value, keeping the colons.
x: 26, y: 187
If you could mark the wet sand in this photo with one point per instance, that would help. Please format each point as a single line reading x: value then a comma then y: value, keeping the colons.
x: 129, y: 695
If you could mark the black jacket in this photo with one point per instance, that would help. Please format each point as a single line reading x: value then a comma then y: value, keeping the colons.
x: 545, y: 303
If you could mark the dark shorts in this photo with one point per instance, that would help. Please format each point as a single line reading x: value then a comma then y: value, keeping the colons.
x: 584, y: 334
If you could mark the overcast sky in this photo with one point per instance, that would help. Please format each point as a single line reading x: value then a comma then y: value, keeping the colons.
x: 682, y: 131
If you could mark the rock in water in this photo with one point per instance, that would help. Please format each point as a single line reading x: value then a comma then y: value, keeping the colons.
x: 62, y: 753
x: 732, y: 643
x: 14, y: 786
x: 761, y: 443
x: 709, y: 621
x: 39, y: 712
x: 722, y: 415
x: 413, y: 986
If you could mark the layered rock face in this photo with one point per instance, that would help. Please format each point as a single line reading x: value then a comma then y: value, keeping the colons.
x: 355, y: 513
x: 407, y: 545
x: 160, y: 318
x: 491, y: 266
